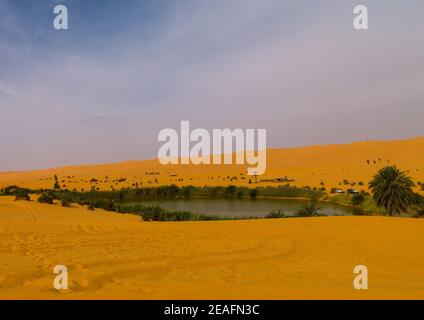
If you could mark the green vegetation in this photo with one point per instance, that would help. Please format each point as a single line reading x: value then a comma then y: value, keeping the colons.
x: 18, y: 192
x: 56, y: 185
x: 253, y: 193
x: 289, y: 192
x: 22, y: 195
x: 275, y: 214
x: 15, y: 190
x: 309, y: 210
x: 392, y: 189
x: 358, y: 199
x: 391, y: 194
x: 103, y: 199
x: 46, y: 197
x: 66, y: 202
x: 157, y: 213
x: 366, y: 206
x: 128, y: 200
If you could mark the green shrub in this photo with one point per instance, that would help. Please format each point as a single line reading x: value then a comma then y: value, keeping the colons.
x: 275, y: 214
x: 230, y: 191
x: 157, y: 213
x: 65, y: 202
x: 22, y: 195
x: 45, y: 198
x: 358, y: 212
x: 14, y: 190
x: 185, y: 216
x: 309, y: 210
x: 10, y: 190
x: 358, y: 199
x: 418, y: 199
x: 253, y: 193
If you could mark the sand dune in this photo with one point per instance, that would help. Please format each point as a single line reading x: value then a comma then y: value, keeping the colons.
x: 329, y: 164
x: 111, y: 255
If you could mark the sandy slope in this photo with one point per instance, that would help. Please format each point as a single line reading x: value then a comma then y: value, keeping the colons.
x: 329, y: 164
x: 117, y: 256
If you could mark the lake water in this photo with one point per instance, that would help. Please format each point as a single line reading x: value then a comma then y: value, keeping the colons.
x: 246, y: 207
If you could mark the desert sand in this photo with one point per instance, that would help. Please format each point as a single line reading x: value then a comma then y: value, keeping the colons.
x: 111, y: 255
x: 308, y: 166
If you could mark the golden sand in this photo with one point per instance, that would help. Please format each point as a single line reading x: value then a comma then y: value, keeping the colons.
x: 311, y: 166
x: 110, y: 255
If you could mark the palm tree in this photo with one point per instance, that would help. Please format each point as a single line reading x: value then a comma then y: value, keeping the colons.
x: 392, y: 189
x: 309, y: 210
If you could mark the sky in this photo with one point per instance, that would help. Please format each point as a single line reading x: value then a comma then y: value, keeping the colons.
x: 124, y: 70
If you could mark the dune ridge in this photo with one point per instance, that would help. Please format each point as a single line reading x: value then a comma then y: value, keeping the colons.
x: 314, y: 166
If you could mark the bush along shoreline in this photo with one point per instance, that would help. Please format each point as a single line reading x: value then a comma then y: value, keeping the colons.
x: 129, y: 200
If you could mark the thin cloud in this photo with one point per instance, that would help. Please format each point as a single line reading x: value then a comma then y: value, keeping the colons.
x: 296, y: 68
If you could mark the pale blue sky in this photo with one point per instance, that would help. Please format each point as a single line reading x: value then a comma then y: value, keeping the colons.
x: 102, y: 90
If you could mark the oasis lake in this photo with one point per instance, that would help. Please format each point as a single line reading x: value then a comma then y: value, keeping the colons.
x: 247, y: 207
